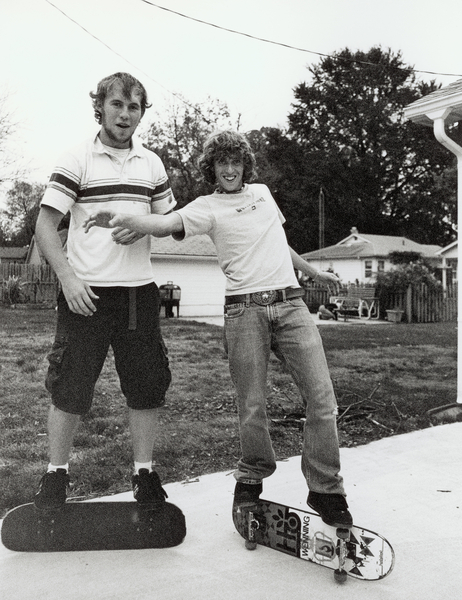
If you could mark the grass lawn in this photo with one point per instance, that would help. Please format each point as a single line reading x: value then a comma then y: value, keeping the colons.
x: 386, y: 378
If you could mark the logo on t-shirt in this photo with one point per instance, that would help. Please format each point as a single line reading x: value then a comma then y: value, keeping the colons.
x: 252, y: 205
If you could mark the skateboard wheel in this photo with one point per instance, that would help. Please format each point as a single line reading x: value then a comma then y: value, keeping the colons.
x: 343, y: 534
x: 250, y: 545
x: 340, y: 576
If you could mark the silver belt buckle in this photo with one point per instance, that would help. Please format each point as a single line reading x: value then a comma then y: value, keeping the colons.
x: 264, y: 298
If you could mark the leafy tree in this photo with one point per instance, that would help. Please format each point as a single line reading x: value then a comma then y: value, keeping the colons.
x: 10, y: 164
x: 178, y: 137
x: 19, y: 218
x: 404, y: 275
x: 347, y: 136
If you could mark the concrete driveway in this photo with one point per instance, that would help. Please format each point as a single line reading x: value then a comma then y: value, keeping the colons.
x: 406, y: 487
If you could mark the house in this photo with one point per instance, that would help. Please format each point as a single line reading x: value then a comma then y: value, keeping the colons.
x: 13, y: 254
x: 191, y: 264
x: 35, y: 256
x: 449, y: 255
x: 359, y: 257
x: 440, y: 110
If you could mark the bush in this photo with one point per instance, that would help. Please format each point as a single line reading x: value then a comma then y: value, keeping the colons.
x: 13, y: 290
x: 400, y: 278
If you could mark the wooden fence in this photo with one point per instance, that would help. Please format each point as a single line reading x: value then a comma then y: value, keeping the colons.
x: 423, y: 305
x: 38, y: 283
x: 419, y: 303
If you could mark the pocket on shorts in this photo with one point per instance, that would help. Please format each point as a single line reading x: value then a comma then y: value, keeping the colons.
x: 55, y: 358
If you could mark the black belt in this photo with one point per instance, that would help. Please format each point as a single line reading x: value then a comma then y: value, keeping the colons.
x: 266, y: 298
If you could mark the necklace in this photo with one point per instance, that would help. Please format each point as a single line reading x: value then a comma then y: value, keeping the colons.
x: 220, y: 191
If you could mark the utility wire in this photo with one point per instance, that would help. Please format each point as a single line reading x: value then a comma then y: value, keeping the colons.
x: 259, y: 39
x: 178, y: 96
x: 127, y: 61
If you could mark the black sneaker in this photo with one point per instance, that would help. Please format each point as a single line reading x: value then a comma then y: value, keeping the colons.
x: 52, y: 490
x: 247, y: 494
x: 147, y: 489
x: 333, y: 509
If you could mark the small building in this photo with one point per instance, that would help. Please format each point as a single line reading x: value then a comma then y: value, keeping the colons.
x: 359, y: 257
x: 192, y: 265
x: 12, y: 254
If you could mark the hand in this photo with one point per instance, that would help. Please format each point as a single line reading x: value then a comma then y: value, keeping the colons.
x: 326, y: 277
x: 126, y: 237
x: 79, y: 296
x: 99, y: 219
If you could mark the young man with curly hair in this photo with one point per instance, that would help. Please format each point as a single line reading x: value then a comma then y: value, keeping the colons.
x: 108, y: 296
x: 264, y: 312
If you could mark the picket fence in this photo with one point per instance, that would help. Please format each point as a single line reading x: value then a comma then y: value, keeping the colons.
x: 38, y: 283
x: 421, y: 304
x: 418, y: 303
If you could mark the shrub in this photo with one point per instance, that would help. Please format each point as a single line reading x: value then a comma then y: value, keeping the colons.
x: 13, y: 292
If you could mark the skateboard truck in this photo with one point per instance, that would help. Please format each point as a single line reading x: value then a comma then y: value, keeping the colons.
x: 343, y: 535
x: 252, y: 524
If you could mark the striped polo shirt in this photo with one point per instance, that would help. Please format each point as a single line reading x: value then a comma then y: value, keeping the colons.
x: 93, y: 177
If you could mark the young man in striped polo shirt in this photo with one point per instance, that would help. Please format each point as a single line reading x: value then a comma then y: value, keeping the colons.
x: 108, y: 296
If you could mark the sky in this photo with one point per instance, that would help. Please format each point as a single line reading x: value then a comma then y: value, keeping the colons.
x: 50, y: 64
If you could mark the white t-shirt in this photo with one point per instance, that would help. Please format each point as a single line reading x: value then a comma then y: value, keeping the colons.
x: 94, y: 177
x: 247, y: 231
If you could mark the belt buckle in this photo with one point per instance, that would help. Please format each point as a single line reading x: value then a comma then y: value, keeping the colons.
x: 264, y: 298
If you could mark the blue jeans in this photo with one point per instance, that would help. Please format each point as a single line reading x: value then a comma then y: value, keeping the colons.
x: 287, y: 328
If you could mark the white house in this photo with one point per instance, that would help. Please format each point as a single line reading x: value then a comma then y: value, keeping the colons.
x: 449, y: 255
x: 192, y: 265
x: 359, y: 257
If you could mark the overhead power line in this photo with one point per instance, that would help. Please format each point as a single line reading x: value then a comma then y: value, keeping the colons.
x: 126, y: 60
x: 259, y: 39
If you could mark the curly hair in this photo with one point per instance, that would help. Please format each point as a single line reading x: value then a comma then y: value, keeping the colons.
x: 223, y: 144
x: 128, y: 83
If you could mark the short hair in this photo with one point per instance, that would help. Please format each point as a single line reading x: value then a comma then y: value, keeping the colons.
x: 223, y: 144
x: 128, y: 83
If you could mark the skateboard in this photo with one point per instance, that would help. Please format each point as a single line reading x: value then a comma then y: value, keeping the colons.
x: 356, y: 552
x: 92, y: 526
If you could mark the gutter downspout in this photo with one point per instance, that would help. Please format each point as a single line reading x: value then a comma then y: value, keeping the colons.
x: 439, y: 131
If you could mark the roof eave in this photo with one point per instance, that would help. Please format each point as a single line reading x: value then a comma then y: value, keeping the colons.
x: 424, y: 112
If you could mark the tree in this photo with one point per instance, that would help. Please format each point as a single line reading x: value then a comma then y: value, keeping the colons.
x: 9, y: 169
x: 378, y: 172
x: 178, y: 138
x: 20, y: 216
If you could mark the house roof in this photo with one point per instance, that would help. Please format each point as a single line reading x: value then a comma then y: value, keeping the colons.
x: 449, y: 96
x: 365, y: 246
x: 198, y: 245
x: 446, y: 249
x: 13, y: 252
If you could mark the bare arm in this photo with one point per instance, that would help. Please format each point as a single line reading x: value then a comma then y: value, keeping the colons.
x: 156, y: 225
x: 78, y: 294
x: 319, y: 276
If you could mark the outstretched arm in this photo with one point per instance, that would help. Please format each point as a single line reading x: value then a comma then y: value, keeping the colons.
x: 156, y: 225
x: 319, y: 276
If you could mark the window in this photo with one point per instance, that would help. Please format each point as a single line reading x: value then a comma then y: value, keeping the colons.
x: 381, y: 266
x: 368, y: 270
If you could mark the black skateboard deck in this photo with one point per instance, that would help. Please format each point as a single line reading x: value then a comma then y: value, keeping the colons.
x: 357, y: 552
x: 92, y: 526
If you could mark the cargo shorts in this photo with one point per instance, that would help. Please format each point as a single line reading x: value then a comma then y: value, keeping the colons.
x: 126, y: 319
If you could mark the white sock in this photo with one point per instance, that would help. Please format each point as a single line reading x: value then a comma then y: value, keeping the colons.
x: 56, y: 467
x: 140, y: 465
